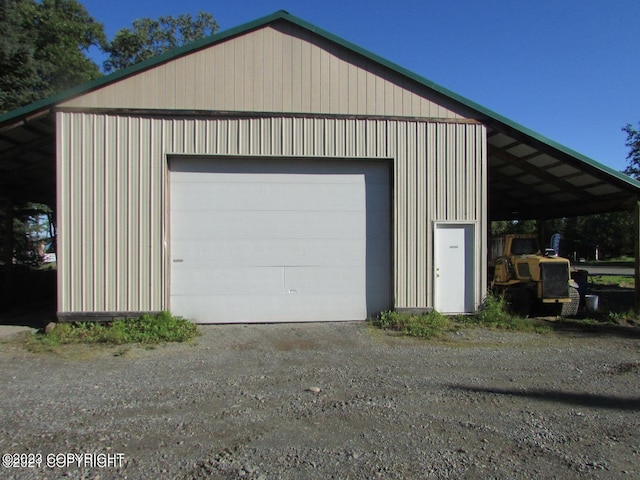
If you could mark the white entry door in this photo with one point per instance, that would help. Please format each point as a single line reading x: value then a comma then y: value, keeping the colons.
x: 454, y: 272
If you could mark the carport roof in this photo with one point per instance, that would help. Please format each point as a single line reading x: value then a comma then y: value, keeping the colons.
x: 530, y: 176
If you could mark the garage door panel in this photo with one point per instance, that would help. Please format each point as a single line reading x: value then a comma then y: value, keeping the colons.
x: 250, y: 281
x: 270, y: 251
x: 319, y: 279
x: 200, y: 225
x: 269, y: 196
x: 270, y: 308
x: 255, y: 240
x: 196, y: 281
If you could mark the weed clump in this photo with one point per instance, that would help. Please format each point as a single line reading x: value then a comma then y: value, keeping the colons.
x: 425, y: 325
x: 494, y: 313
x: 146, y: 330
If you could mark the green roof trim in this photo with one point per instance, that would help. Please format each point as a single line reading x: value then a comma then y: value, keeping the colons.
x: 488, y: 116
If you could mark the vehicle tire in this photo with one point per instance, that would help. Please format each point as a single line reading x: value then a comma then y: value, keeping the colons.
x: 571, y: 309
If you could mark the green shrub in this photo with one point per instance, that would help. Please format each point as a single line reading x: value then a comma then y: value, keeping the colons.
x: 494, y: 313
x: 425, y: 325
x: 147, y: 330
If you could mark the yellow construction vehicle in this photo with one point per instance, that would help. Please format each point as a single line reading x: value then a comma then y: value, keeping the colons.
x: 526, y: 276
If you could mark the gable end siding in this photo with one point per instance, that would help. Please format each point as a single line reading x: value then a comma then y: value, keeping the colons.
x: 277, y: 68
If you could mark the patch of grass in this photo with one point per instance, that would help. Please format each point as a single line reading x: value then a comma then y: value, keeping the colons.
x: 617, y: 261
x: 425, y: 325
x: 146, y: 330
x: 493, y: 314
x: 623, y: 281
x: 47, y: 266
x: 630, y: 316
x: 623, y: 258
x: 494, y: 311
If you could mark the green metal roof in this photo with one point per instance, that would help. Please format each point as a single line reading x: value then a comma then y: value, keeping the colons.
x: 492, y: 120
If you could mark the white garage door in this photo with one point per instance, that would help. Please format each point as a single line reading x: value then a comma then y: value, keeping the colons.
x: 277, y: 240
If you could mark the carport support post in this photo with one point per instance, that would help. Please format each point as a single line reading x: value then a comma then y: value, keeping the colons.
x: 6, y: 292
x: 636, y: 235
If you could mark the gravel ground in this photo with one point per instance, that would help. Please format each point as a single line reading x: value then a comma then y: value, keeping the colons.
x: 242, y: 402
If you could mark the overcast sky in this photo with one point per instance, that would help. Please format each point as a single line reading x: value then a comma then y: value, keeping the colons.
x: 567, y: 69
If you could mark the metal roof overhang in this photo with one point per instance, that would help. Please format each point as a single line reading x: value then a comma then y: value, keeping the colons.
x: 28, y: 159
x: 530, y: 176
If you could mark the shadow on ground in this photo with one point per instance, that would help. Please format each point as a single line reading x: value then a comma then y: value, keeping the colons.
x: 615, y: 316
x: 590, y: 326
x: 578, y: 399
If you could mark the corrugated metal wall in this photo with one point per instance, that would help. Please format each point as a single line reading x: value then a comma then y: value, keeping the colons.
x: 112, y: 193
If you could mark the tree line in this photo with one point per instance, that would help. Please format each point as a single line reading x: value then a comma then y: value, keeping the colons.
x: 45, y: 46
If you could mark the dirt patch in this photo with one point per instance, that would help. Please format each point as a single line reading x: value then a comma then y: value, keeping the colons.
x: 11, y: 332
x: 239, y: 404
x: 627, y: 367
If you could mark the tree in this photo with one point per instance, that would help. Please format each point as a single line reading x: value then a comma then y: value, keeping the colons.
x: 503, y: 227
x: 580, y: 236
x: 64, y: 32
x: 43, y: 49
x: 18, y: 75
x: 149, y: 38
x: 33, y: 224
x: 633, y: 157
x: 604, y: 231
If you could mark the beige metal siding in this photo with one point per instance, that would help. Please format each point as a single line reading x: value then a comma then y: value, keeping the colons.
x: 278, y: 68
x: 112, y: 193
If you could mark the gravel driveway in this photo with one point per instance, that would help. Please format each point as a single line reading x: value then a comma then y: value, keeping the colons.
x: 237, y: 404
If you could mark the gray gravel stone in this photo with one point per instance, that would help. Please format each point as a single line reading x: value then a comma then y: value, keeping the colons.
x: 482, y: 404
